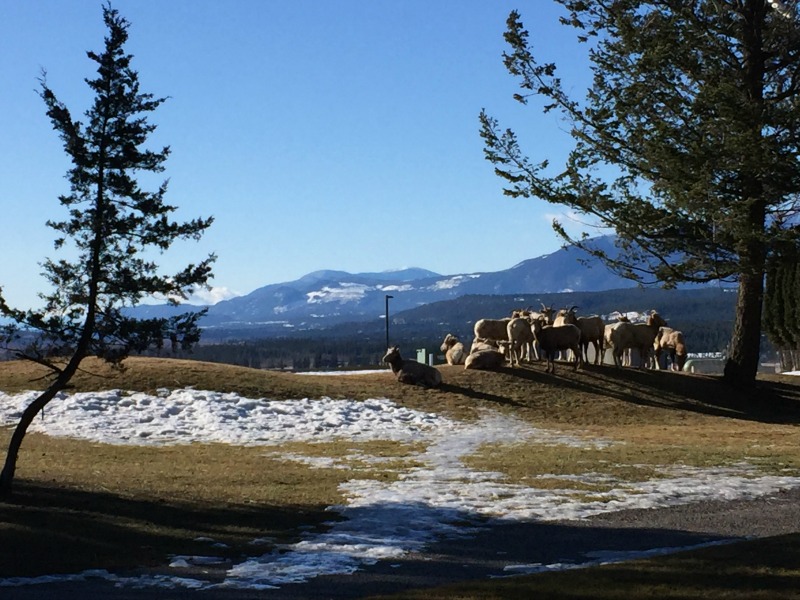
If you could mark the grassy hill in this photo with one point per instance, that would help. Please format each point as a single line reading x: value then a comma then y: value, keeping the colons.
x: 82, y: 505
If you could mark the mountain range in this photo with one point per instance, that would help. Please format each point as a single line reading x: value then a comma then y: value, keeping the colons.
x: 326, y: 298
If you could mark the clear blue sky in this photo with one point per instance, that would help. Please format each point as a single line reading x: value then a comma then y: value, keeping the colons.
x: 320, y: 134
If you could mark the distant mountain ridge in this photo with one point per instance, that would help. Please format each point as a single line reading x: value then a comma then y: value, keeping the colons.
x: 326, y: 298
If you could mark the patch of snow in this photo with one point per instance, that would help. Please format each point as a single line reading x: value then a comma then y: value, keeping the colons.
x: 440, y: 496
x: 347, y: 292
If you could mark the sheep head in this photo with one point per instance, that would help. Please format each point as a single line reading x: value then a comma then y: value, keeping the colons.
x: 655, y: 320
x: 392, y: 355
x: 449, y: 341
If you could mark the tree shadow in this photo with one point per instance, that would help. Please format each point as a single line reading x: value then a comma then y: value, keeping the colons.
x: 768, y: 401
x: 72, y: 530
x: 470, y: 550
x: 475, y: 394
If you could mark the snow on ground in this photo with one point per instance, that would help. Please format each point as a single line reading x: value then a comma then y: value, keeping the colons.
x: 440, y: 497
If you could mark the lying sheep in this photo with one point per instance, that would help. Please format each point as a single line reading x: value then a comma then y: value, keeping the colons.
x: 454, y: 351
x: 672, y: 342
x: 485, y: 359
x: 411, y: 371
x: 554, y: 339
x: 479, y: 345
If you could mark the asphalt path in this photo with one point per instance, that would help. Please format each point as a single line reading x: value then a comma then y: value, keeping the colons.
x: 490, y: 552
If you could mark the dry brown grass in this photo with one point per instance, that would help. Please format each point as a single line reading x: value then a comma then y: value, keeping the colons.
x: 96, y: 499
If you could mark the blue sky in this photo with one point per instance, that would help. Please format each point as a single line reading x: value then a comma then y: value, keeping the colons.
x: 320, y: 134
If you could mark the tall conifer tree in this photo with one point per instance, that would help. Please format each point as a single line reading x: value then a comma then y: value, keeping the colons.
x: 686, y: 143
x: 111, y: 229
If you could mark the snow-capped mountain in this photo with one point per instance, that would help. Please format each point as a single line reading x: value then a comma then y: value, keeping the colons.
x: 324, y: 298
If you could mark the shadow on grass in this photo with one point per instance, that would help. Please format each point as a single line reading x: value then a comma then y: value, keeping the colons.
x: 45, y: 530
x: 105, y: 524
x: 765, y: 568
x: 769, y: 401
x: 476, y: 394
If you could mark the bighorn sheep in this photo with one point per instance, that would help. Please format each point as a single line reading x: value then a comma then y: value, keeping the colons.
x: 454, y: 351
x: 520, y: 339
x: 564, y: 316
x: 485, y: 359
x: 411, y: 371
x: 641, y: 336
x: 546, y: 314
x: 491, y: 329
x: 481, y: 345
x: 553, y: 339
x: 672, y: 342
x: 592, y: 331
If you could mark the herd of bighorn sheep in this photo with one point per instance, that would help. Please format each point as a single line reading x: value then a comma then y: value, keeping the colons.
x: 528, y: 336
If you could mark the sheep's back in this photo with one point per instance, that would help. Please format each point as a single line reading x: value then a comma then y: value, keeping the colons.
x: 492, y: 329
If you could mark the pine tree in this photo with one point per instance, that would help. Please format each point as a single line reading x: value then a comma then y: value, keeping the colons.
x: 112, y: 227
x: 685, y: 144
x: 773, y: 309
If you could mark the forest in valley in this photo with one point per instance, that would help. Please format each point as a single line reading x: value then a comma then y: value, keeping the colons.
x: 704, y: 315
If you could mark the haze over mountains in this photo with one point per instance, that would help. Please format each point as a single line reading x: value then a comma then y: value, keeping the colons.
x: 325, y: 298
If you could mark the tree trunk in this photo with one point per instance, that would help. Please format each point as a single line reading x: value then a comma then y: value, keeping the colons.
x: 33, y: 409
x: 745, y: 348
x: 10, y: 466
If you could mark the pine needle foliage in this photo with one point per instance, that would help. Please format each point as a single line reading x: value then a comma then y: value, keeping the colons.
x: 111, y: 228
x: 685, y: 143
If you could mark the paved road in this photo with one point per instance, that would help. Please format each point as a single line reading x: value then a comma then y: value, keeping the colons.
x: 490, y: 552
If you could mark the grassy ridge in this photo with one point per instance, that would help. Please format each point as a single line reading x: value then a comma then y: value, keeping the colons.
x: 145, y: 504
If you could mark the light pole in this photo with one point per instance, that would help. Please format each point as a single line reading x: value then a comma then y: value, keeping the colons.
x: 386, y: 314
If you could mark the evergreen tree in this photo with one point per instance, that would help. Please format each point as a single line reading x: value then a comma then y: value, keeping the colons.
x: 685, y: 144
x: 774, y: 325
x: 111, y: 226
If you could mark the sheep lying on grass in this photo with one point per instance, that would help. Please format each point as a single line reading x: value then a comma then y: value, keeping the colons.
x: 485, y: 359
x: 411, y: 371
x: 454, y: 351
x: 555, y: 339
x: 479, y: 345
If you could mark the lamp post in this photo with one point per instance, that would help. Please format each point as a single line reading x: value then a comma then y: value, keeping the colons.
x: 386, y: 314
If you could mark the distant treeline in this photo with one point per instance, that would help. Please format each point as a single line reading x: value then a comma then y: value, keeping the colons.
x: 704, y: 315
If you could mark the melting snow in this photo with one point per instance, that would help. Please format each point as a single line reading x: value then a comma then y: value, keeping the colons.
x: 380, y: 520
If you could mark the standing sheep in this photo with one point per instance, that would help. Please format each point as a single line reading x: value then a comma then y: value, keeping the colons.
x: 673, y: 343
x: 491, y: 329
x: 554, y: 339
x: 641, y: 336
x: 520, y: 339
x: 454, y: 351
x: 411, y: 371
x: 592, y: 332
